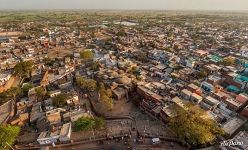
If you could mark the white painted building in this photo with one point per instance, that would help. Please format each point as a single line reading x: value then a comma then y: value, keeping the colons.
x: 244, y: 51
x: 62, y: 135
x: 65, y: 132
x: 190, y: 63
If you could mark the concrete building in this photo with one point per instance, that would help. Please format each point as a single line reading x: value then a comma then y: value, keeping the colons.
x: 244, y: 51
x: 119, y: 93
x: 242, y: 136
x: 48, y: 137
x: 65, y: 133
x: 233, y: 124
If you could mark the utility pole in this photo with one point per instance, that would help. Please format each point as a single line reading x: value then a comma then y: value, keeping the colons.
x: 10, y: 146
x: 93, y: 133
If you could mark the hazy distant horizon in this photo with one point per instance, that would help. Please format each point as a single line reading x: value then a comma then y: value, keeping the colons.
x: 88, y: 9
x: 187, y: 5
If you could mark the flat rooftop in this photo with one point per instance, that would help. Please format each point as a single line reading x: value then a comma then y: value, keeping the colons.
x: 233, y: 124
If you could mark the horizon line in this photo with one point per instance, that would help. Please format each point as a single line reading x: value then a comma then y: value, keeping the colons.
x: 126, y: 9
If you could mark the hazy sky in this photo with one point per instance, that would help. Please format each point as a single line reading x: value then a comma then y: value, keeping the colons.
x: 126, y: 4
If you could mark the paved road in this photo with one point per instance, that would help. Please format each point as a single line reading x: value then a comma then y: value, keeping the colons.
x: 9, y: 110
x: 122, y: 145
x: 88, y: 146
x: 5, y: 110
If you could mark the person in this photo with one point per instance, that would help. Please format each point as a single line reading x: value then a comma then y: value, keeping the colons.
x: 172, y: 144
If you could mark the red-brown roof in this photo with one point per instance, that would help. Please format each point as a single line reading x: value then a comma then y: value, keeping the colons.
x: 242, y: 98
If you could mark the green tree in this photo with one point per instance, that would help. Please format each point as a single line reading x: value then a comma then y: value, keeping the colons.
x: 101, y: 88
x: 167, y: 49
x: 121, y: 32
x: 95, y: 66
x: 60, y: 100
x: 135, y: 71
x: 141, y: 56
x: 23, y: 69
x: 80, y: 81
x: 13, y: 92
x: 91, y: 85
x: 108, y: 92
x: 86, y: 54
x: 48, y: 61
x: 88, y: 123
x: 99, y: 122
x: 202, y: 74
x: 8, y: 134
x: 40, y: 93
x: 108, y: 101
x: 229, y: 61
x: 193, y: 126
x: 84, y: 124
x: 25, y: 88
x: 3, y: 98
x: 106, y: 96
x: 87, y: 84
